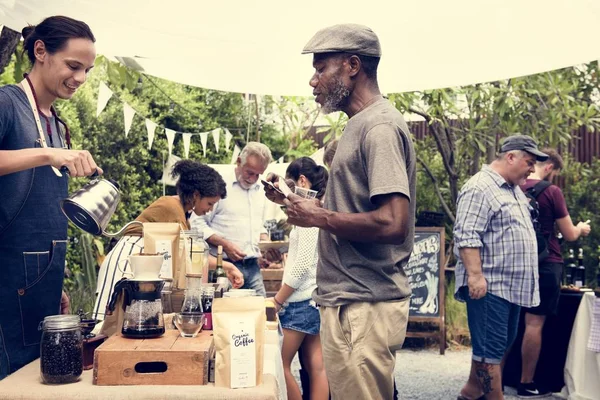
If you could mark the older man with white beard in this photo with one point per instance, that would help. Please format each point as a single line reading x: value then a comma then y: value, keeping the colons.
x: 237, y: 222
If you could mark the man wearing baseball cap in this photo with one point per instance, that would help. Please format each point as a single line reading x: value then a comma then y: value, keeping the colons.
x: 497, y: 269
x: 367, y: 220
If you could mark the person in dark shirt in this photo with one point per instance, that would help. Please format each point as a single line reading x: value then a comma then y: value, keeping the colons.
x: 553, y: 212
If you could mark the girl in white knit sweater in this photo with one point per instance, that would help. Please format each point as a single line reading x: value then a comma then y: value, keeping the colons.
x: 298, y: 314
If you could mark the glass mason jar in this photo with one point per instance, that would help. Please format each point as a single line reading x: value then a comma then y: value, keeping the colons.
x: 199, y: 252
x: 61, y: 349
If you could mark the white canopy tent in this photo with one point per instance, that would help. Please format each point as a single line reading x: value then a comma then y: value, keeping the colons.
x: 254, y: 46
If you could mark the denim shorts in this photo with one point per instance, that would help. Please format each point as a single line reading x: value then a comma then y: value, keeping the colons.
x: 493, y: 324
x: 301, y: 316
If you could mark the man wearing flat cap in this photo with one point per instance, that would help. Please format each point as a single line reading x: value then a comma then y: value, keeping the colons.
x: 497, y: 269
x: 367, y: 220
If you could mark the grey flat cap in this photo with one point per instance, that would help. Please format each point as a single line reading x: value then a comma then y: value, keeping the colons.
x: 347, y: 38
x: 525, y: 143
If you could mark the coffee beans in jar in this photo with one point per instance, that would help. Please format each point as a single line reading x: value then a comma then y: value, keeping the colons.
x: 61, y: 357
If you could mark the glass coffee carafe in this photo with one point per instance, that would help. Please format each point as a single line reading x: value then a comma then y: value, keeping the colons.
x: 143, y: 316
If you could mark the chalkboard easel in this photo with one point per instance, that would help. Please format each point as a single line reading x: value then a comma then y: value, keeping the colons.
x: 425, y: 272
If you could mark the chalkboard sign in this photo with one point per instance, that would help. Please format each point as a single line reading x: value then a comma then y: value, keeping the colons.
x: 425, y: 272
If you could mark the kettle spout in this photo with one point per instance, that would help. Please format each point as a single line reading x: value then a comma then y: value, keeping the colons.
x: 111, y: 235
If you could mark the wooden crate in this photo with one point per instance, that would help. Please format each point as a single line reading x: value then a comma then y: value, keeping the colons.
x: 168, y: 360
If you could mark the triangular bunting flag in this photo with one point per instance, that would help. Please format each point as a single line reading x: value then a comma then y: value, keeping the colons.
x: 186, y: 144
x: 216, y: 134
x: 151, y: 127
x: 280, y: 161
x: 128, y: 114
x: 203, y: 140
x: 228, y: 137
x: 170, y: 138
x: 104, y: 94
x: 236, y: 154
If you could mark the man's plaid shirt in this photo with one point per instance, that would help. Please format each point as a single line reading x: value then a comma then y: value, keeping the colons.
x: 494, y: 216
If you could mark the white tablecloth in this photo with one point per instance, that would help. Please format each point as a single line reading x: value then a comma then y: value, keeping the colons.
x: 582, y: 368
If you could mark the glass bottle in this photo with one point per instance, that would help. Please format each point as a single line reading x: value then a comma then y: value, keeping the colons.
x: 61, y: 349
x: 208, y: 296
x: 220, y: 275
x: 570, y: 268
x: 580, y: 274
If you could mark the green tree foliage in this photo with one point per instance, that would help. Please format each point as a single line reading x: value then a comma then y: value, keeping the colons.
x: 467, y: 122
x: 582, y: 194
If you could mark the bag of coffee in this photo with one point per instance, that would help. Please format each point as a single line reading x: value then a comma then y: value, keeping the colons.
x: 239, y: 329
x: 163, y: 237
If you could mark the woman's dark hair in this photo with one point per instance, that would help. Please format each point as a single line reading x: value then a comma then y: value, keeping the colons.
x: 54, y: 32
x: 193, y: 177
x: 316, y: 174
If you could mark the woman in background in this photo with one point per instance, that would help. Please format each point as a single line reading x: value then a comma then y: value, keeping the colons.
x: 298, y: 314
x: 199, y: 188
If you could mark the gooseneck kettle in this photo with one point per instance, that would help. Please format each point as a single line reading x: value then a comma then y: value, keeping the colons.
x: 91, y: 207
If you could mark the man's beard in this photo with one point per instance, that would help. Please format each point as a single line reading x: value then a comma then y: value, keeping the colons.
x: 243, y: 183
x: 337, y: 97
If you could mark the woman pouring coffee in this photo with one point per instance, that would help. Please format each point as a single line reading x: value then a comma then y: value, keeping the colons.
x: 199, y: 188
x: 34, y: 145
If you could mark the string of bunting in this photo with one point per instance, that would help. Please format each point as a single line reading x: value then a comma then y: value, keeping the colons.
x: 105, y: 94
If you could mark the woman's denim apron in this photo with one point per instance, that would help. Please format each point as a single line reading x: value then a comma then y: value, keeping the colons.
x: 33, y: 242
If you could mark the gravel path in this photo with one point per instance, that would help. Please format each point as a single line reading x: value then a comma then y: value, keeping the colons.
x: 426, y: 375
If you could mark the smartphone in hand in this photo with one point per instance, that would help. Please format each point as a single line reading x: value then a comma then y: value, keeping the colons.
x: 270, y: 184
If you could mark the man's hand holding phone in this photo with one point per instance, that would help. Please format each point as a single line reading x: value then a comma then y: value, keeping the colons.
x: 276, y: 188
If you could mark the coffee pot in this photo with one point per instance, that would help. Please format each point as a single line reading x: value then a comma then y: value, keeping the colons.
x: 143, y: 317
x: 91, y: 207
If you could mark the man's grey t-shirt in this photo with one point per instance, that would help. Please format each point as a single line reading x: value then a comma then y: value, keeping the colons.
x: 375, y: 156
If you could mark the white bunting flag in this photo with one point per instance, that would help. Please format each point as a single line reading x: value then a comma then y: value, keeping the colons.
x: 203, y: 140
x: 216, y: 134
x: 280, y: 161
x: 151, y: 127
x: 236, y: 154
x: 228, y: 137
x: 128, y: 114
x: 104, y: 94
x: 170, y: 139
x: 186, y: 144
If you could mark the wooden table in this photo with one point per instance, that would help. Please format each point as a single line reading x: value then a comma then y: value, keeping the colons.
x: 26, y: 384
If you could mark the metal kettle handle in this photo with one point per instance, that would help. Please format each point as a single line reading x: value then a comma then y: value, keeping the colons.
x: 65, y: 170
